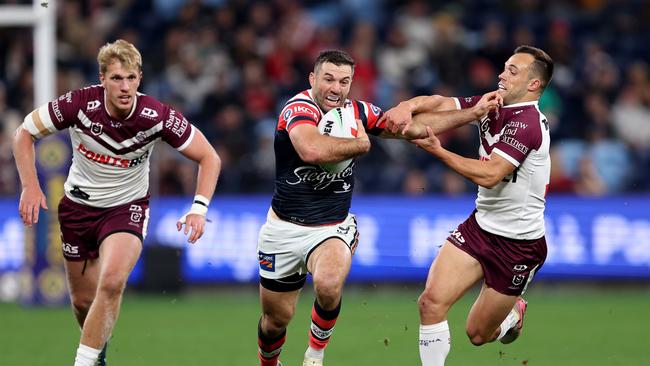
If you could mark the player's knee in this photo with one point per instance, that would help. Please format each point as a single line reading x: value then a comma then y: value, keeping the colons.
x: 429, y: 304
x: 112, y: 284
x: 81, y: 303
x: 274, y: 324
x: 476, y: 337
x: 328, y: 291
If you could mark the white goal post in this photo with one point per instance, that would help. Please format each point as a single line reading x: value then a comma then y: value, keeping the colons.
x: 41, y: 16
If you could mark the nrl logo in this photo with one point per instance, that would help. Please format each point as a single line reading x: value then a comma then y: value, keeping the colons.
x: 96, y: 128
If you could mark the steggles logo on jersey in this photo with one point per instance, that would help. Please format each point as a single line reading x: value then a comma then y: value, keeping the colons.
x: 92, y: 105
x: 96, y: 128
x: 319, y: 178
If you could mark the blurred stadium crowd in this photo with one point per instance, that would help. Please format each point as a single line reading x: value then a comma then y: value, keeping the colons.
x: 230, y: 66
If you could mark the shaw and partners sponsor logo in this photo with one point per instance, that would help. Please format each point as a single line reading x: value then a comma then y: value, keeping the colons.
x: 319, y: 178
x: 67, y: 97
x: 111, y: 160
x: 521, y: 147
x: 56, y: 110
x: 176, y: 125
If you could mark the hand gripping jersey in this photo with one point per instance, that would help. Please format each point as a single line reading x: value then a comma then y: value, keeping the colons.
x: 518, y: 133
x: 110, y: 160
x: 304, y: 193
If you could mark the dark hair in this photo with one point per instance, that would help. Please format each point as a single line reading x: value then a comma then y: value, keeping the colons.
x: 543, y: 64
x: 335, y: 57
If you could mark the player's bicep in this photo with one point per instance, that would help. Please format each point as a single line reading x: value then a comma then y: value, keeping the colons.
x: 447, y: 104
x: 41, y: 122
x: 305, y: 139
x: 198, y: 147
x: 501, y: 166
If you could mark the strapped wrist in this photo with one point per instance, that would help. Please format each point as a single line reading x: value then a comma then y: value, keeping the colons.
x: 201, y: 200
x: 198, y: 209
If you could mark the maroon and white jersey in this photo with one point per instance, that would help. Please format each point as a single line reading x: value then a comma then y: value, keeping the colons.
x: 110, y: 160
x: 518, y: 133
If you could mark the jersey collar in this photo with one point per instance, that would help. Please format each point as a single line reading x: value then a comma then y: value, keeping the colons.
x: 522, y: 104
x: 133, y: 107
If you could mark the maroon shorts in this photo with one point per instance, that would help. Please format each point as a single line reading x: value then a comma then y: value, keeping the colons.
x: 508, y: 264
x: 83, y: 228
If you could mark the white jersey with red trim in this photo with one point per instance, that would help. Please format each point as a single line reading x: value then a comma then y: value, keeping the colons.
x: 519, y: 133
x: 110, y: 162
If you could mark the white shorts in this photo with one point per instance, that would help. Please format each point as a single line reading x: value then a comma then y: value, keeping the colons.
x: 283, y: 247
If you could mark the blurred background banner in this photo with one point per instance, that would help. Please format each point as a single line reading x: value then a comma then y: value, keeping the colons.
x: 42, y: 275
x: 231, y: 65
x: 604, y: 238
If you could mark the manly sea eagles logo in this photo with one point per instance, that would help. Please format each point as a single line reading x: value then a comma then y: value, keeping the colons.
x: 96, y: 128
x: 141, y: 136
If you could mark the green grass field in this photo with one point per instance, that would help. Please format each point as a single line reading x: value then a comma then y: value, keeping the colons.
x: 564, y: 327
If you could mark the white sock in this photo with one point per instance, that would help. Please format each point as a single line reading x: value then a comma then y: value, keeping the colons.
x: 509, y: 322
x: 86, y: 356
x: 435, y: 342
x: 315, y: 353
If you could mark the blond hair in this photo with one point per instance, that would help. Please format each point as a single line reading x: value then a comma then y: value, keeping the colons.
x: 121, y: 51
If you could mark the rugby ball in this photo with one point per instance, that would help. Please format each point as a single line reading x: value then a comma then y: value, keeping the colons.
x: 338, y: 122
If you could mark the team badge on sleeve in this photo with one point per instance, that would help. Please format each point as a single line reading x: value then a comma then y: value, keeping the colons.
x: 287, y: 114
x: 375, y: 110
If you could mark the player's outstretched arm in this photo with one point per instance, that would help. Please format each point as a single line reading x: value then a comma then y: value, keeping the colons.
x: 400, y: 115
x: 486, y: 173
x: 32, y: 198
x: 314, y: 148
x: 209, y: 162
x: 447, y: 120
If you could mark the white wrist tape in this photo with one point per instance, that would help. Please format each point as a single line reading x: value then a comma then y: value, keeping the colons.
x: 202, y: 200
x: 199, y: 207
